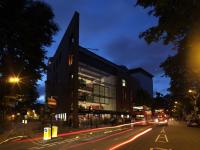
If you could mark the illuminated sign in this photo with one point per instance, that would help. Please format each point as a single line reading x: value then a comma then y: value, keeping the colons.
x: 51, y: 102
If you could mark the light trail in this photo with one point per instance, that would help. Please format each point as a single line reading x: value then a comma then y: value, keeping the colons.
x: 130, y: 140
x: 83, y: 131
x: 100, y: 139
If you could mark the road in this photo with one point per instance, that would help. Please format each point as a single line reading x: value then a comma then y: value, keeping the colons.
x: 175, y: 136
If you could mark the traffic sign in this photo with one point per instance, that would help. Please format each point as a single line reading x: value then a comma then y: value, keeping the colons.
x: 52, y: 102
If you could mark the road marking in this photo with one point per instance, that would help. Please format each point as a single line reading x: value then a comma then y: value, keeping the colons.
x: 12, y: 138
x: 163, y: 131
x: 159, y: 148
x: 52, y: 144
x: 166, y: 138
x: 157, y: 138
x: 160, y: 138
x: 162, y: 135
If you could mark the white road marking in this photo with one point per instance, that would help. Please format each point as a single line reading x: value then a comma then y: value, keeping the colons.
x: 160, y: 138
x: 163, y: 130
x: 162, y: 135
x: 52, y: 144
x: 157, y: 138
x: 12, y: 138
x: 159, y: 148
x: 160, y: 141
x: 166, y: 138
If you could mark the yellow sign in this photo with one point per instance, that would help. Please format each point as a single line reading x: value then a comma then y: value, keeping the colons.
x: 54, y: 131
x: 47, y: 133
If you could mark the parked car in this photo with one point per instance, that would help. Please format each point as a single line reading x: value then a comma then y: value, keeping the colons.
x: 193, y: 120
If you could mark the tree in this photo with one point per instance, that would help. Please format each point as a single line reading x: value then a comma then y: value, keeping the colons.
x: 179, y: 25
x: 161, y: 101
x: 26, y: 28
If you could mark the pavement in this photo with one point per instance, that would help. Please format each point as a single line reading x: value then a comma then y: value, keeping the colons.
x: 175, y: 136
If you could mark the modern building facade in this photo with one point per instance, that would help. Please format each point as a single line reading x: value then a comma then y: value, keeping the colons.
x: 86, y: 85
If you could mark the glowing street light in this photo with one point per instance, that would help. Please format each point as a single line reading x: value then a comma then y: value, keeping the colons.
x: 190, y: 91
x: 13, y: 80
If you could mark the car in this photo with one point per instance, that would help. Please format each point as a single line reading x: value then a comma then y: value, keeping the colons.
x: 193, y: 121
x: 161, y: 120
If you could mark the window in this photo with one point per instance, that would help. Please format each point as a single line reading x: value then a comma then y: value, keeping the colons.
x: 102, y: 91
x: 106, y: 100
x: 123, y: 82
x: 70, y: 60
x: 96, y: 89
x: 72, y: 40
x: 107, y: 92
x: 102, y: 100
x: 96, y: 99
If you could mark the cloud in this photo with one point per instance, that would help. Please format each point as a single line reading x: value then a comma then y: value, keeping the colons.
x: 136, y: 53
x: 41, y: 92
x: 41, y: 99
x: 161, y: 84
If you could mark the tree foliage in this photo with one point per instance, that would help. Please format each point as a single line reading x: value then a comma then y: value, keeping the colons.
x: 178, y: 24
x: 176, y: 20
x: 26, y: 28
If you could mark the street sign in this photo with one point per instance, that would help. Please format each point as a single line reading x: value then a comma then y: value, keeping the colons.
x: 52, y: 102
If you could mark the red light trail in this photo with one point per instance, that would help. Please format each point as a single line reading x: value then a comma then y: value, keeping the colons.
x: 130, y: 140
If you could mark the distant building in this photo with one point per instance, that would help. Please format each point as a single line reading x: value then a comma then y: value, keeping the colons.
x: 86, y: 85
x: 144, y: 79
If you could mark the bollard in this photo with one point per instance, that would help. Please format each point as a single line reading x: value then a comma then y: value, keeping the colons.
x: 47, y: 133
x: 54, y: 131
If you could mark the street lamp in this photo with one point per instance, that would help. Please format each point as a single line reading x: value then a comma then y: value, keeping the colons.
x: 13, y: 80
x: 190, y: 91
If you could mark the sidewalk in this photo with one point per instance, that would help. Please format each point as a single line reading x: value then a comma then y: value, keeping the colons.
x: 34, y: 130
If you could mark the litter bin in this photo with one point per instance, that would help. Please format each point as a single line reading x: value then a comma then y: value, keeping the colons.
x: 54, y: 131
x: 47, y: 133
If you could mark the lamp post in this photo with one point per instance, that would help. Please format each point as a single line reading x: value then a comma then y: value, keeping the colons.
x: 11, y: 80
x: 195, y: 96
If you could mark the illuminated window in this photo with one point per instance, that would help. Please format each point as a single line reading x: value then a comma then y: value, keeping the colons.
x: 72, y: 40
x: 123, y: 82
x: 70, y: 60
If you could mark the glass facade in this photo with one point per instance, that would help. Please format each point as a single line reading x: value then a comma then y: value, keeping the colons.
x: 96, y: 88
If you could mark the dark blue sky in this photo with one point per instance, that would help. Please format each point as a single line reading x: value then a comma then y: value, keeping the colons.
x: 112, y: 27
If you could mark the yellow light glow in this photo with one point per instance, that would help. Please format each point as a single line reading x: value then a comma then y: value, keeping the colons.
x: 193, y: 55
x: 191, y: 91
x: 14, y: 79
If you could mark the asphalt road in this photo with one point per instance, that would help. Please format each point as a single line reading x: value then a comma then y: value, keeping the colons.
x: 175, y: 136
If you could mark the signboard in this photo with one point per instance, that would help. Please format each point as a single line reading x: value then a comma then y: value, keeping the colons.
x: 95, y: 107
x: 51, y: 102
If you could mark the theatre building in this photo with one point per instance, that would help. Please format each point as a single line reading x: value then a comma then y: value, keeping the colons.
x: 85, y: 85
